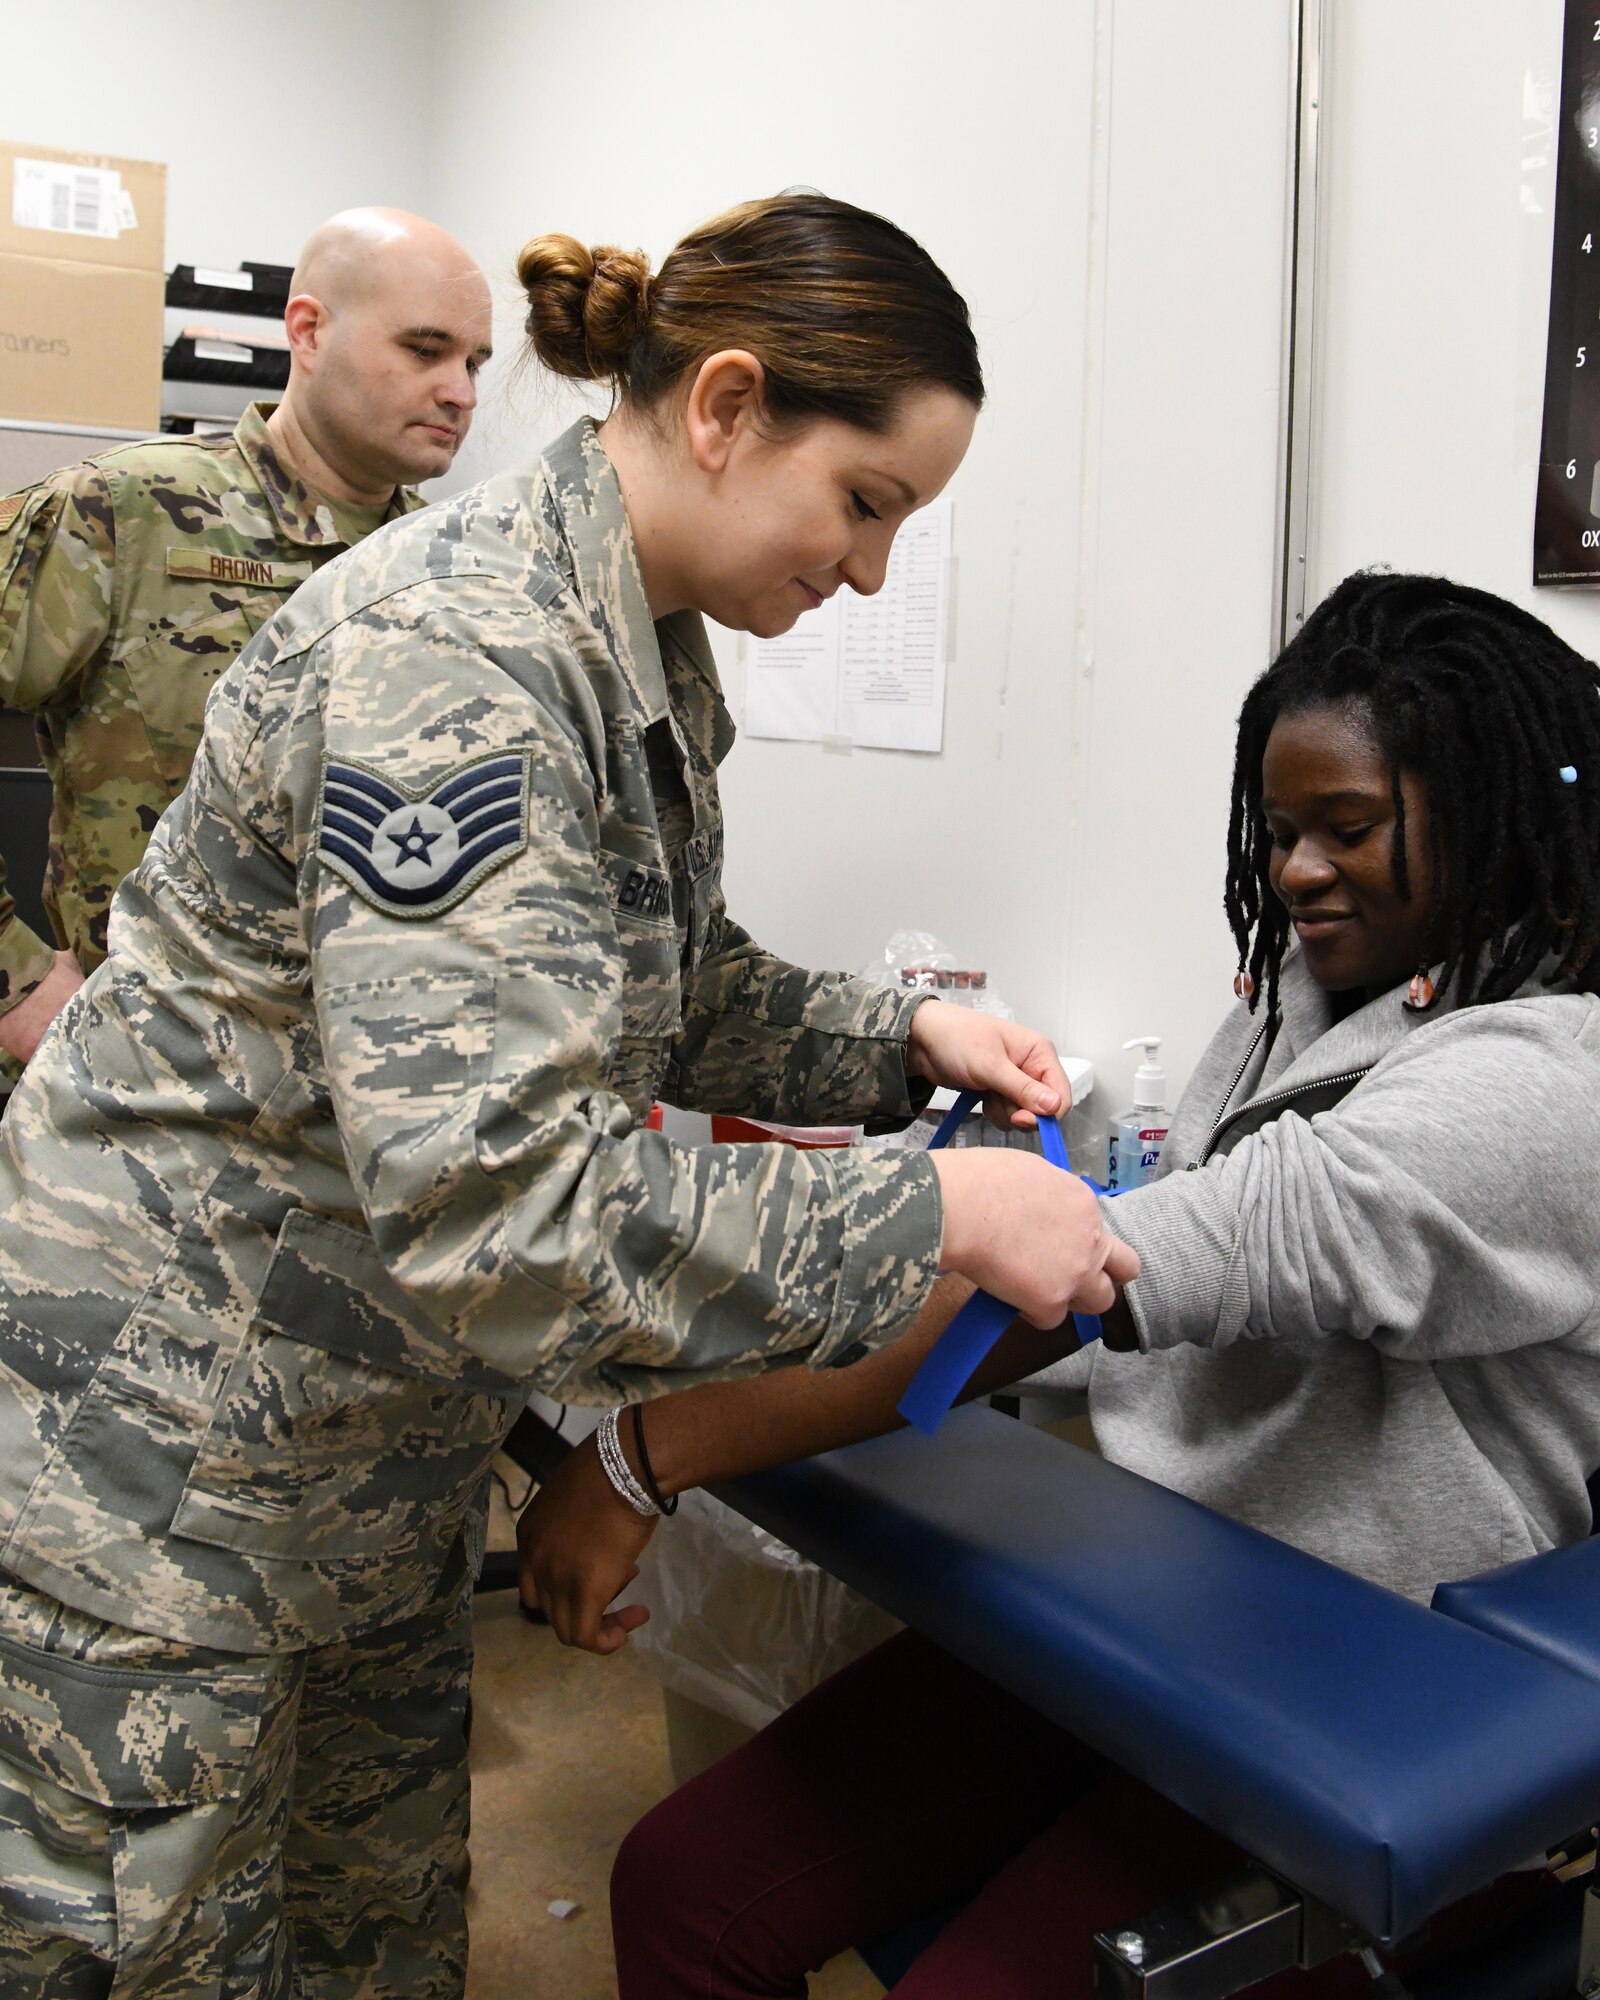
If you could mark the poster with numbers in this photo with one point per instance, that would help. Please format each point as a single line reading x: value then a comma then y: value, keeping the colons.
x: 1566, y: 523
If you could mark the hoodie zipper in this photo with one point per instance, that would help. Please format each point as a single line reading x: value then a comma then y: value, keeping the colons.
x: 1348, y: 1078
x: 1227, y: 1095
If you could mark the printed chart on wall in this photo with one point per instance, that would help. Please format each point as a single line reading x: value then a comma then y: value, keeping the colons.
x: 865, y: 670
x: 1566, y: 531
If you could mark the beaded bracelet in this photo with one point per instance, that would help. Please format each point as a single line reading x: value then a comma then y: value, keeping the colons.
x: 618, y: 1470
x: 646, y: 1471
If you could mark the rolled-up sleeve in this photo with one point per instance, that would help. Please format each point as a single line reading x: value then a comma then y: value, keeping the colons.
x: 1445, y: 1209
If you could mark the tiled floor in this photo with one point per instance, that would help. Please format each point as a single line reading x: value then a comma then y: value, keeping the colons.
x: 567, y: 1751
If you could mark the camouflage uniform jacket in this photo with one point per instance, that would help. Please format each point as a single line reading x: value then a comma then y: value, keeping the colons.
x: 127, y: 584
x: 341, y: 1151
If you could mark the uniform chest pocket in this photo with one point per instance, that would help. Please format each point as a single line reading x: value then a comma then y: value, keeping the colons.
x: 172, y: 666
x: 320, y: 1447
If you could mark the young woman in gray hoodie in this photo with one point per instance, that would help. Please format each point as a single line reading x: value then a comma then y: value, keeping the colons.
x: 1367, y: 1319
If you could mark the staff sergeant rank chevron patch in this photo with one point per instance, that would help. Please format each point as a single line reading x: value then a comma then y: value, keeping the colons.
x: 415, y: 853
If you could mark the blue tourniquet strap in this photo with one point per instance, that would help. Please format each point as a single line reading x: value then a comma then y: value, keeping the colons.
x: 968, y: 1338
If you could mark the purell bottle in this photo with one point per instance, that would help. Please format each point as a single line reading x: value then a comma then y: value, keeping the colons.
x: 1133, y: 1151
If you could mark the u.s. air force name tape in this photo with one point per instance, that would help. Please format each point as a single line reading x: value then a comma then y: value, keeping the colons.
x: 205, y: 565
x: 948, y: 1365
x: 414, y: 853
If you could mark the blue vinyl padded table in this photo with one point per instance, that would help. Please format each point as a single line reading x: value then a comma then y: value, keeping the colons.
x: 1383, y: 1757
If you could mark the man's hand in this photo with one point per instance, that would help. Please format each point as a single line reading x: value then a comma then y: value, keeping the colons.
x: 579, y: 1542
x: 1017, y: 1070
x: 22, y: 1027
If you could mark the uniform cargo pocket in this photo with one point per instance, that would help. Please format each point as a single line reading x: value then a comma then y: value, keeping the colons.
x: 347, y: 1424
x: 128, y: 1737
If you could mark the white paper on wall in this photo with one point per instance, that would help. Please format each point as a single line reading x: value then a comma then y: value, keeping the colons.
x: 870, y: 670
x: 792, y: 683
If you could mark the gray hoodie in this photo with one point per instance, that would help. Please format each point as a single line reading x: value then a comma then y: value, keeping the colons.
x: 1369, y: 1312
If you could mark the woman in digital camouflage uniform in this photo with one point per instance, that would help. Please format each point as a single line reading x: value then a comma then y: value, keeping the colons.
x: 342, y: 1152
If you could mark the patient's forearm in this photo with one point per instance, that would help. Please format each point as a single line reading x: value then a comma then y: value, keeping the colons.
x: 720, y: 1430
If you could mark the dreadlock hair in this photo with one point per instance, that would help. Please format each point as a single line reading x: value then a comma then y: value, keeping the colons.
x: 1487, y: 706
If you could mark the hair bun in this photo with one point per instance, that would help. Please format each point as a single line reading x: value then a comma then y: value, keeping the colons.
x: 586, y: 308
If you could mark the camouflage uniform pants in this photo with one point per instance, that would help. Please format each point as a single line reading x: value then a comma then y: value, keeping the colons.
x: 178, y: 1824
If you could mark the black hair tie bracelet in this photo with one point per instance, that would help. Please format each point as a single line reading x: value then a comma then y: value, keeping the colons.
x: 646, y: 1474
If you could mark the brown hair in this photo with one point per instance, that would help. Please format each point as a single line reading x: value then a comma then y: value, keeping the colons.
x: 844, y: 311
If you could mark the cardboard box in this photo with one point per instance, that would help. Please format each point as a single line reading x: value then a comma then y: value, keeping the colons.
x: 82, y: 279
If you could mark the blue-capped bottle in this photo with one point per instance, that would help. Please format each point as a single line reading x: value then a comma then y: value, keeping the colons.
x: 1134, y: 1149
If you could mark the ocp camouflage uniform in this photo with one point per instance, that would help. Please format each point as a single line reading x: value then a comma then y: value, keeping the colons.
x: 127, y: 584
x: 342, y: 1153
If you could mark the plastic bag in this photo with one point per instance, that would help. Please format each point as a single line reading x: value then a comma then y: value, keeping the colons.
x: 738, y: 1621
x: 918, y: 958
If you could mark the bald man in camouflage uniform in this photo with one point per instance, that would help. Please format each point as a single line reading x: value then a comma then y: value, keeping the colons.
x: 339, y: 1156
x: 130, y: 581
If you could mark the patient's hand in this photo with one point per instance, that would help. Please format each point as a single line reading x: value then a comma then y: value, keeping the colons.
x: 579, y: 1542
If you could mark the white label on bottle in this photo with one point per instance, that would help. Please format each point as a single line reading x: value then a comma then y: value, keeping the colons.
x: 1151, y: 1140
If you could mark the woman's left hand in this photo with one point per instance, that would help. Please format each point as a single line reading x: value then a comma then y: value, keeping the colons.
x: 579, y: 1543
x: 1017, y: 1070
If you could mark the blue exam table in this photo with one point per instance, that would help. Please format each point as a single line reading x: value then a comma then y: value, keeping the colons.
x: 1377, y: 1758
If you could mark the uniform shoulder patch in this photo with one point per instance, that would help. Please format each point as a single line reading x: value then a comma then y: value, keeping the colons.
x: 416, y: 853
x: 10, y: 507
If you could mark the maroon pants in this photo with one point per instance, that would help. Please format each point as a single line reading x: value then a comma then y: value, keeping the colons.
x: 896, y: 1787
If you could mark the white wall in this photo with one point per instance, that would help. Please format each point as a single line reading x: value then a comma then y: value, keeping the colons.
x: 1176, y: 612
x: 979, y: 144
x: 1106, y: 187
x: 268, y: 116
x: 1104, y: 182
x: 1440, y: 149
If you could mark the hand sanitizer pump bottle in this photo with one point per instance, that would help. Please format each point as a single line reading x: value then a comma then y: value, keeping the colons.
x: 1134, y: 1151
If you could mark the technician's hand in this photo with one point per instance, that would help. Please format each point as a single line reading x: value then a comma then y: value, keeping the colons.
x: 579, y: 1542
x: 1017, y: 1070
x: 1030, y: 1234
x: 22, y: 1027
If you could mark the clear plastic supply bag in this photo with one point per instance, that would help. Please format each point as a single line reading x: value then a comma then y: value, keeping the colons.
x: 918, y: 958
x: 738, y: 1621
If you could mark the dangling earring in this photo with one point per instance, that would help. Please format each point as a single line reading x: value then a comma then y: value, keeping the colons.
x: 1243, y: 984
x: 1419, y: 995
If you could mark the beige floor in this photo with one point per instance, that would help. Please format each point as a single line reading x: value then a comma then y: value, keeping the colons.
x: 567, y: 1752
